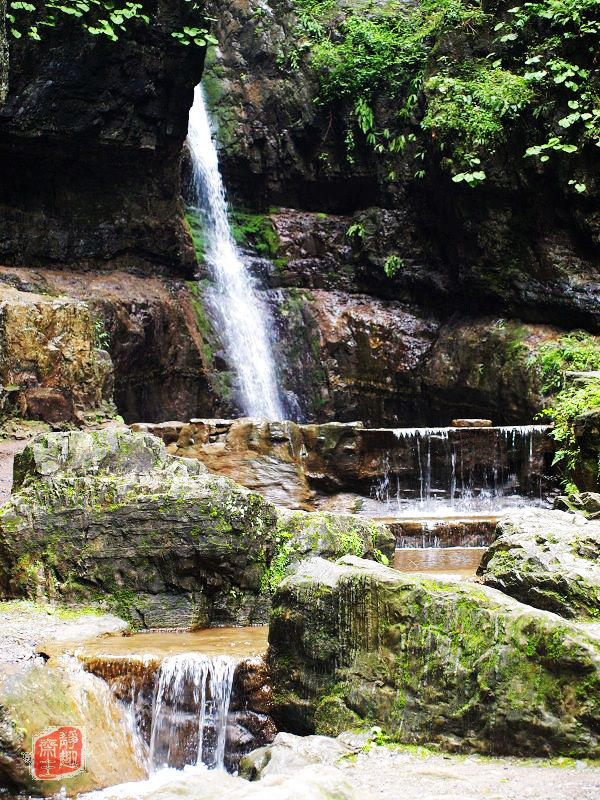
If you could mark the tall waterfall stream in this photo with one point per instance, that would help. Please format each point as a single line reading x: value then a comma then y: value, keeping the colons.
x: 243, y: 318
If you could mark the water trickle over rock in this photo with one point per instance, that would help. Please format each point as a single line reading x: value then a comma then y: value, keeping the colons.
x: 191, y: 706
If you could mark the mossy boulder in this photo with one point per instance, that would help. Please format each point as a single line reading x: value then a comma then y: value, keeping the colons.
x: 448, y: 662
x: 301, y: 535
x: 548, y: 559
x: 111, y: 516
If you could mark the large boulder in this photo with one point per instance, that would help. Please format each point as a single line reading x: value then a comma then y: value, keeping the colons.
x: 548, y: 559
x: 465, y: 666
x: 288, y: 753
x: 111, y: 516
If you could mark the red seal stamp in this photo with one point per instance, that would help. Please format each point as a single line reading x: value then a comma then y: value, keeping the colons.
x: 58, y: 753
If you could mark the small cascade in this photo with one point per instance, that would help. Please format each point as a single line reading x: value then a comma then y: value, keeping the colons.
x: 242, y: 317
x: 455, y: 470
x: 189, y: 713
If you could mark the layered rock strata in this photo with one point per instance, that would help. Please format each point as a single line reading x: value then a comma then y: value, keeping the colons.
x: 110, y: 516
x: 297, y: 465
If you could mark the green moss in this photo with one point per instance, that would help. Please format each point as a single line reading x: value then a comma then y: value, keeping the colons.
x: 121, y: 602
x: 332, y: 717
x: 195, y: 227
x: 256, y: 232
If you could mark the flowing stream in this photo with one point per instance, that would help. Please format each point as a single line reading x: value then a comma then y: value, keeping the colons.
x: 243, y: 319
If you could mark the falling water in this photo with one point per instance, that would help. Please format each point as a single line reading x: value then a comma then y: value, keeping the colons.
x: 433, y: 472
x: 243, y: 319
x: 189, y: 714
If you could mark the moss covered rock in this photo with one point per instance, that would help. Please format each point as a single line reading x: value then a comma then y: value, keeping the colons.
x: 549, y: 560
x: 301, y: 535
x: 111, y: 516
x: 448, y: 662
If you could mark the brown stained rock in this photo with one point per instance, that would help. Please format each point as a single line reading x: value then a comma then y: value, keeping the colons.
x: 299, y: 466
x: 354, y: 356
x: 161, y: 367
x: 50, y: 366
x: 49, y: 405
x: 263, y: 456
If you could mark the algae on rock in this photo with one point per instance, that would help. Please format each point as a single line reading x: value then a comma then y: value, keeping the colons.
x: 549, y: 560
x: 464, y: 666
x: 111, y: 516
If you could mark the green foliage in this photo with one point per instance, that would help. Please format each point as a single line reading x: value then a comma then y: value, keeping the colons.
x: 98, y: 17
x: 284, y: 550
x: 195, y: 225
x: 373, y: 51
x: 468, y: 111
x: 567, y: 405
x: 577, y: 351
x: 390, y: 67
x: 377, y: 738
x: 356, y: 231
x: 555, y: 43
x: 101, y: 335
x: 393, y: 264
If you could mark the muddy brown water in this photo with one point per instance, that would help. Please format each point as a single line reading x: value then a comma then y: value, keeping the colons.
x: 240, y: 643
x: 459, y: 562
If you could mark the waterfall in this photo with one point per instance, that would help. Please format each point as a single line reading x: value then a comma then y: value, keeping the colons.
x: 243, y: 319
x: 449, y: 470
x: 189, y: 713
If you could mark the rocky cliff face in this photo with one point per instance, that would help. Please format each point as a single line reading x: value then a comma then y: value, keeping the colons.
x: 523, y: 242
x: 90, y: 143
x: 90, y: 139
x: 51, y: 367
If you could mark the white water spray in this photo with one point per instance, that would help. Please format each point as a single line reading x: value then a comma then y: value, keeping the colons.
x: 243, y: 319
x: 192, y: 696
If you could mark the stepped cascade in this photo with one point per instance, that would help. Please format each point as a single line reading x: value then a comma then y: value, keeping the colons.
x: 286, y: 292
x: 242, y: 316
x: 434, y: 471
x: 192, y: 698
